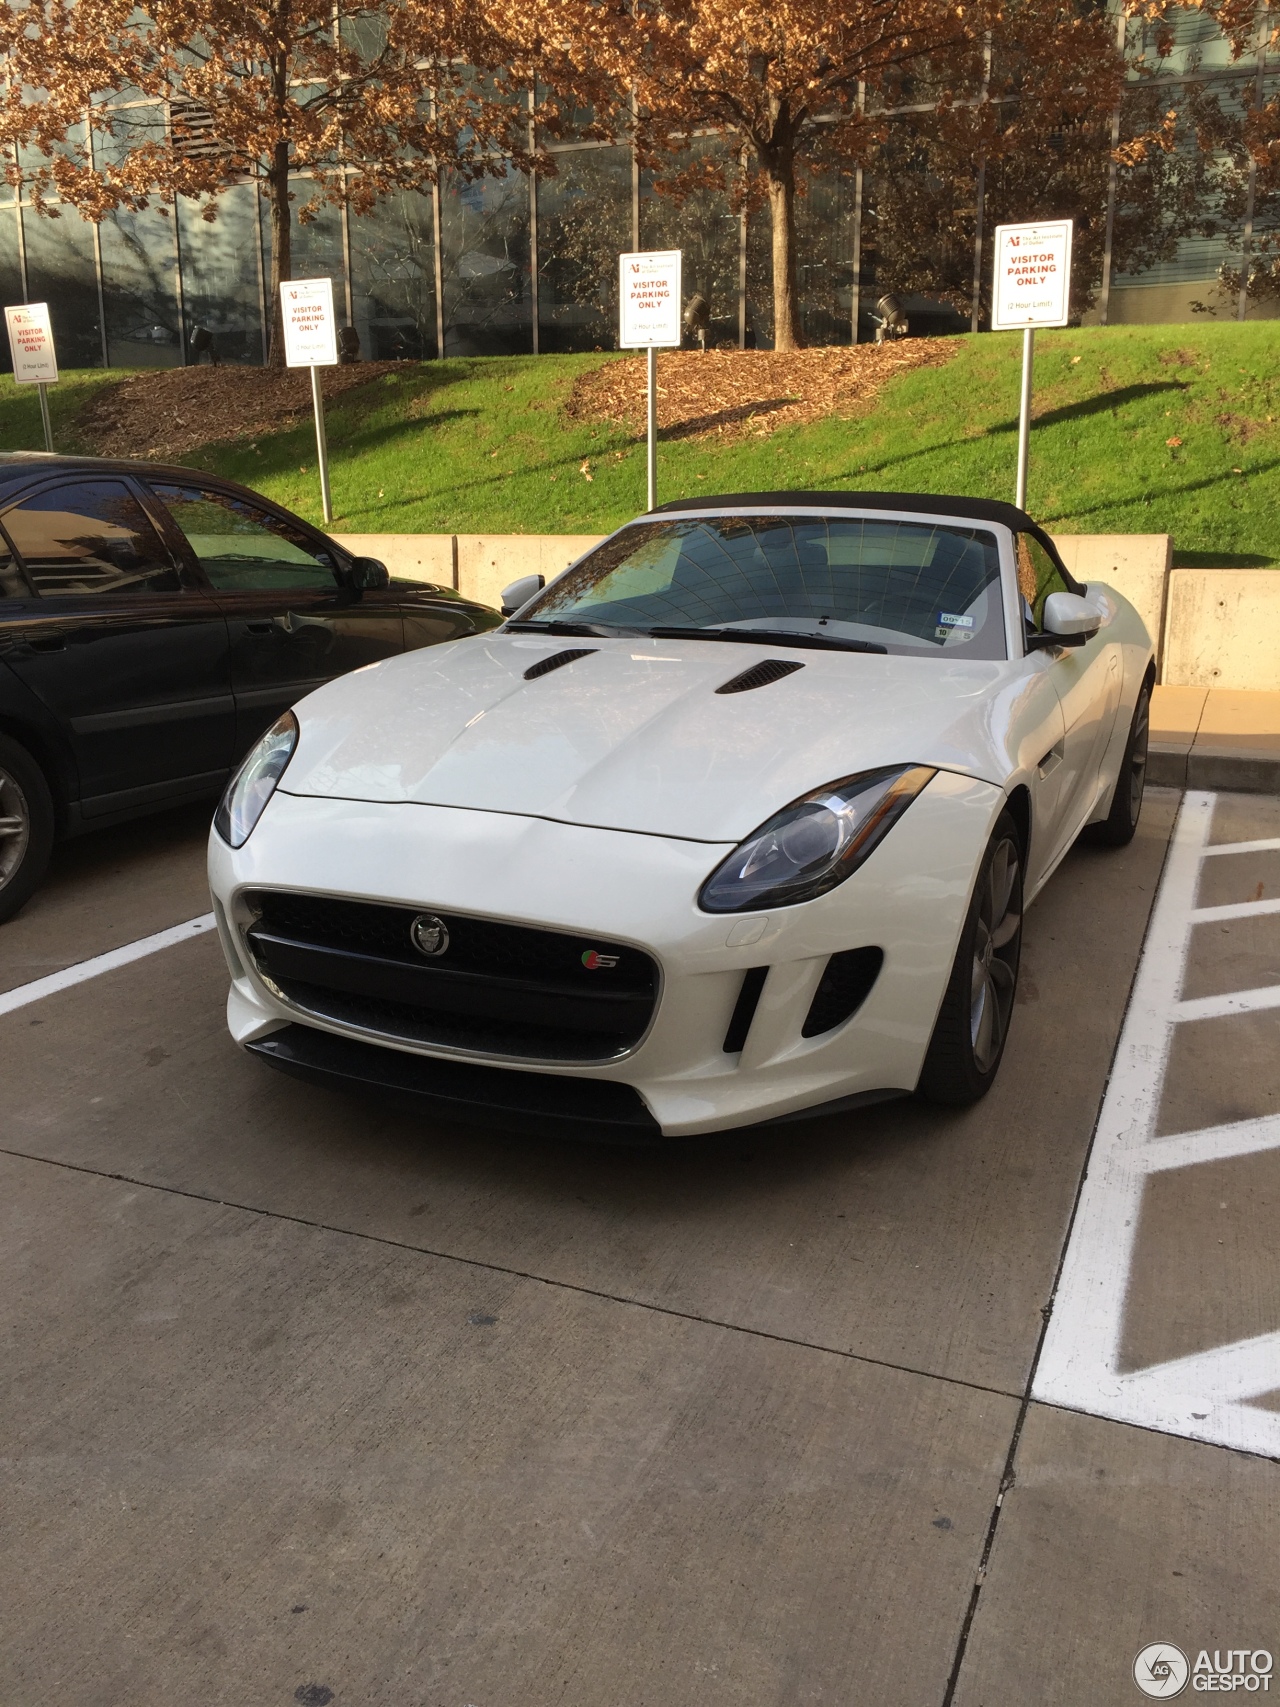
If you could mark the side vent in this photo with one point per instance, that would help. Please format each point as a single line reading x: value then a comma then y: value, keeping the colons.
x: 760, y: 675
x: 744, y: 1010
x: 845, y: 984
x: 544, y: 666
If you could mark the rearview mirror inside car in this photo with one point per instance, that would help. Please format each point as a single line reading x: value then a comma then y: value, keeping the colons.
x: 520, y: 592
x: 368, y: 575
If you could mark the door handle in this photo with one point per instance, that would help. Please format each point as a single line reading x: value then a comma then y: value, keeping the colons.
x: 259, y: 627
x: 1052, y: 759
x: 27, y: 645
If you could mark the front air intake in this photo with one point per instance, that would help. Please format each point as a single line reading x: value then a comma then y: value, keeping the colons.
x: 760, y: 675
x: 544, y: 666
x: 845, y: 984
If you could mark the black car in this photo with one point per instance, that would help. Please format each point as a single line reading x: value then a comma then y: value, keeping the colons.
x: 153, y: 622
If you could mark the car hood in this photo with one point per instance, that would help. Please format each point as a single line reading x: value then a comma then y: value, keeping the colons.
x: 635, y: 735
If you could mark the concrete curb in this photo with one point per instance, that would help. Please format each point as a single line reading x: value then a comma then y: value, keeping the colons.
x: 1218, y: 769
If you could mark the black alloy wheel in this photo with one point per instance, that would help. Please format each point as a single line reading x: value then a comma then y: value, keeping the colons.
x: 973, y: 1022
x: 26, y: 826
x: 1118, y: 828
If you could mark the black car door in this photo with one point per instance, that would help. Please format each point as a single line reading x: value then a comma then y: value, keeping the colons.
x: 293, y: 621
x: 126, y: 653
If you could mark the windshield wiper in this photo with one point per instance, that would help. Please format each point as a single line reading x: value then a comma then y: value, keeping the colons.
x: 768, y: 637
x: 591, y: 629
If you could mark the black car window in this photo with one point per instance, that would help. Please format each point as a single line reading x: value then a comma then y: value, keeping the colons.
x: 243, y: 549
x: 12, y: 586
x: 1038, y: 576
x: 89, y: 536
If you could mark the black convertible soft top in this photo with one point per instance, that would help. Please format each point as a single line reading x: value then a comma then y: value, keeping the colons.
x: 929, y: 503
x: 924, y: 503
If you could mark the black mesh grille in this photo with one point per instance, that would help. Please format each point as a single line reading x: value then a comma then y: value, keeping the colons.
x: 498, y: 989
x: 845, y: 984
x: 760, y: 675
x: 544, y: 666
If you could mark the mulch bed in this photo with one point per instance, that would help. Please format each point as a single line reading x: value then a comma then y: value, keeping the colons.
x: 166, y: 414
x: 740, y: 393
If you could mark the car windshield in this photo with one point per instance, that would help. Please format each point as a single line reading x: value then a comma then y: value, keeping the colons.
x: 916, y: 587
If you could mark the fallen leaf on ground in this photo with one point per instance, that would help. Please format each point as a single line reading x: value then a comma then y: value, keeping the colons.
x: 168, y: 412
x: 733, y: 393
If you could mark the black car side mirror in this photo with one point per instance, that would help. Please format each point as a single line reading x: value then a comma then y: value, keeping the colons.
x: 368, y: 575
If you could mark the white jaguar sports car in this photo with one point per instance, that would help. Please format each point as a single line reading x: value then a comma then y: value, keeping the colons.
x: 734, y: 821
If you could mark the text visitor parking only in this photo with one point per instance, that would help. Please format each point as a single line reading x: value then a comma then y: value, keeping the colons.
x: 31, y: 344
x: 1032, y: 275
x: 310, y: 332
x: 649, y: 299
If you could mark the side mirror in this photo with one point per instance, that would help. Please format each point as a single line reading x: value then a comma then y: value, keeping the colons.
x: 520, y: 592
x: 368, y: 575
x: 1071, y: 619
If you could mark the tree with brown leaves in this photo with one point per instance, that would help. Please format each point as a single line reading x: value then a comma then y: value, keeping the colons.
x: 357, y: 100
x: 1043, y: 141
x: 799, y: 87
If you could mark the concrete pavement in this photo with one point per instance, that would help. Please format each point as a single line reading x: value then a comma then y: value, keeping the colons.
x: 308, y: 1402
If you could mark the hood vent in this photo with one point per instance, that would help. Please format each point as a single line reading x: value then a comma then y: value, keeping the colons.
x: 544, y: 666
x: 760, y: 675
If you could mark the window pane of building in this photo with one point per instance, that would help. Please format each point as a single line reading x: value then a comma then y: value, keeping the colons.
x: 485, y: 263
x: 316, y: 247
x: 700, y: 221
x: 140, y: 289
x: 584, y: 224
x: 393, y: 283
x: 824, y: 257
x: 220, y: 274
x: 60, y: 271
x: 10, y: 276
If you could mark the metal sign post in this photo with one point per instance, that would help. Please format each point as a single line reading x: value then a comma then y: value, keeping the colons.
x: 311, y: 340
x: 649, y: 319
x: 35, y: 361
x: 1032, y: 287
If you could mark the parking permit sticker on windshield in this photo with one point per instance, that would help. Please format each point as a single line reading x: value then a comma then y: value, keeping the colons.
x: 953, y: 627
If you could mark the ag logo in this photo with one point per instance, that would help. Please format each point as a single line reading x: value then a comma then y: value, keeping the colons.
x: 429, y: 935
x: 1161, y: 1670
x: 598, y: 962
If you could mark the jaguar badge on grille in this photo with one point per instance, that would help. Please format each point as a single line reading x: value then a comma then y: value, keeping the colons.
x: 429, y: 935
x: 598, y: 962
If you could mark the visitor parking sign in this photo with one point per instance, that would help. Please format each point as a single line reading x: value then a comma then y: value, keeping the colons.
x: 31, y: 344
x: 1033, y: 275
x: 310, y: 331
x: 649, y: 300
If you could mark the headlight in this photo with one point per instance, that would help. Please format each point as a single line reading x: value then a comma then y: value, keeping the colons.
x: 255, y: 782
x: 813, y: 844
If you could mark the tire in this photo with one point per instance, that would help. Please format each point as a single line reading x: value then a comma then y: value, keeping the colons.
x: 1117, y: 829
x: 973, y: 1022
x: 26, y: 826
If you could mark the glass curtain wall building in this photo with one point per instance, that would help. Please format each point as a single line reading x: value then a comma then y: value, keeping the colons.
x: 510, y: 265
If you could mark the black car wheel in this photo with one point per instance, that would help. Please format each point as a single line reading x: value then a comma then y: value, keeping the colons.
x: 973, y: 1022
x: 26, y: 826
x: 1117, y: 829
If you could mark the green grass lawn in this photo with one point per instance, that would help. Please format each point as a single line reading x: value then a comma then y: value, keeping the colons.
x: 483, y: 445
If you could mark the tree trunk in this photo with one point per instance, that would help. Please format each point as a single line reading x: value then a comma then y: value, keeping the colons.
x: 281, y: 248
x: 781, y: 173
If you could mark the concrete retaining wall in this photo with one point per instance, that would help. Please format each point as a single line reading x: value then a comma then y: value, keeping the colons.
x: 1213, y: 628
x: 1223, y: 629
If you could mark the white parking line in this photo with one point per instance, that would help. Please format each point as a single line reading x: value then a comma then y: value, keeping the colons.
x: 86, y: 969
x: 1205, y: 1396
